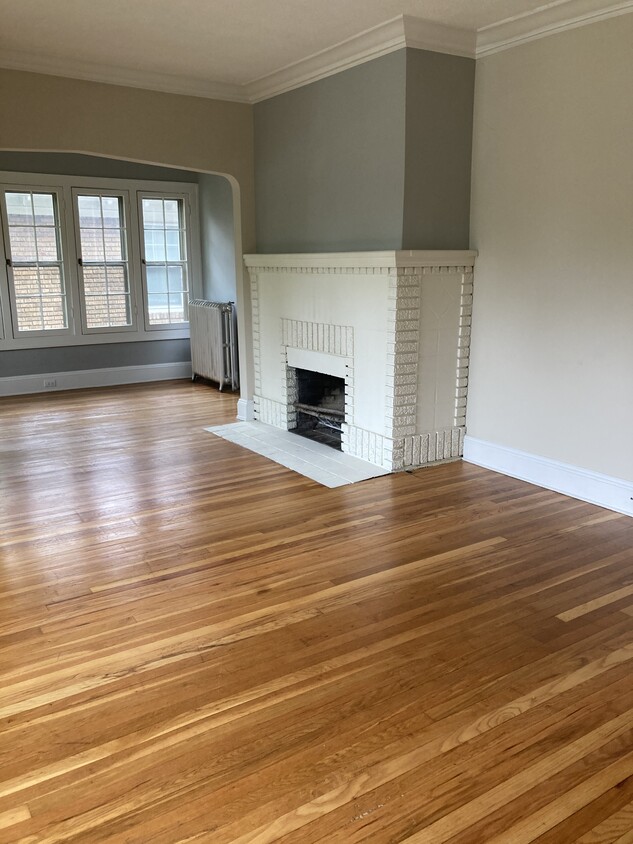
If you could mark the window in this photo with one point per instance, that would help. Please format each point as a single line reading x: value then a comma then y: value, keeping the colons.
x: 165, y: 261
x: 86, y: 260
x: 103, y: 261
x: 32, y: 240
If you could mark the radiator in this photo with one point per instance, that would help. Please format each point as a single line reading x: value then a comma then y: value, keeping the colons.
x: 213, y: 328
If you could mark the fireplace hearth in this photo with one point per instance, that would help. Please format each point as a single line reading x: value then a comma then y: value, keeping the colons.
x: 320, y: 407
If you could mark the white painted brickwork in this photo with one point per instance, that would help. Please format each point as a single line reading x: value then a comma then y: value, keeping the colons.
x: 463, y: 358
x: 271, y: 412
x: 318, y: 337
x: 360, y: 269
x: 397, y: 443
x: 256, y: 336
x: 432, y: 447
x: 367, y: 446
x: 313, y: 337
x: 290, y: 391
x: 403, y: 318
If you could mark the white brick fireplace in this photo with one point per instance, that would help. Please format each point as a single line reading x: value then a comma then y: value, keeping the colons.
x: 394, y: 325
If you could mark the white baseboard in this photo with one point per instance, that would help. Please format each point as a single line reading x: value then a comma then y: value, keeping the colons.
x: 603, y: 490
x: 106, y: 377
x: 246, y: 410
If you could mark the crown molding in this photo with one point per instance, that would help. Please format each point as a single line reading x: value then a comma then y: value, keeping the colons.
x: 546, y: 20
x: 437, y: 38
x: 367, y: 45
x: 148, y: 80
x: 394, y: 34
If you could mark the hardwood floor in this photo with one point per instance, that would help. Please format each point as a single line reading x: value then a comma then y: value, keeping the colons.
x: 197, y: 645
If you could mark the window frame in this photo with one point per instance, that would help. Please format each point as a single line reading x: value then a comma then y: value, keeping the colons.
x: 75, y: 336
x: 81, y: 261
x: 6, y: 327
x: 140, y: 196
x: 10, y: 311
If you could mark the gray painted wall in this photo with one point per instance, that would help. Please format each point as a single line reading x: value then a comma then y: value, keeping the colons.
x: 70, y: 164
x: 74, y: 358
x: 329, y: 162
x: 376, y: 157
x: 439, y: 131
x: 217, y: 238
x: 19, y: 362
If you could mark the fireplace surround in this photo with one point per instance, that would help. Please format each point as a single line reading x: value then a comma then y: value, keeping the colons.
x: 393, y: 327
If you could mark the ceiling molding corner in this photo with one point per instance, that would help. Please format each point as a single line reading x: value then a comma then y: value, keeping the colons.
x: 437, y: 38
x: 403, y: 31
x: 546, y: 20
x: 367, y: 45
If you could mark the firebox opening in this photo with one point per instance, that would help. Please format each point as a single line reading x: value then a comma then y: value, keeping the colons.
x: 320, y: 407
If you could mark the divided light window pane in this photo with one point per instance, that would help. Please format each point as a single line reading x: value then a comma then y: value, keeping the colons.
x: 166, y: 267
x: 105, y: 275
x: 36, y: 270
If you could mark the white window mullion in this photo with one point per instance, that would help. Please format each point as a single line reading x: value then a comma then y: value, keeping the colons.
x: 5, y: 307
x: 72, y: 247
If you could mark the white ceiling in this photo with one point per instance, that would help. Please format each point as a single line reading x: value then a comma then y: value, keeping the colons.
x: 234, y: 43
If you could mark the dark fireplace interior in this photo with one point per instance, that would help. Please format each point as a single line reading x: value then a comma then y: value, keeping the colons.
x: 320, y: 407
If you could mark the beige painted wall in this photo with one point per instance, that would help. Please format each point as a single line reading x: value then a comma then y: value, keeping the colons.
x: 54, y: 113
x: 552, y: 218
x: 70, y: 115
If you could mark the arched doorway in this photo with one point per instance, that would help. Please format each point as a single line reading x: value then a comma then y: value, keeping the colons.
x: 219, y: 216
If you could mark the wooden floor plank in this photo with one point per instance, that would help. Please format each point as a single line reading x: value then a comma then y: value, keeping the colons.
x: 198, y: 645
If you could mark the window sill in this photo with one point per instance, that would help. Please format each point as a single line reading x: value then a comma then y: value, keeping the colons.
x: 93, y: 339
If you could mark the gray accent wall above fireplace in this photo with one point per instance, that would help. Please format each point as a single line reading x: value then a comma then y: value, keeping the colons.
x: 375, y: 157
x: 329, y: 162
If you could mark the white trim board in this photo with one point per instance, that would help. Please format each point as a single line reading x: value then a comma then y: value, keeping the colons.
x: 395, y: 34
x: 385, y: 259
x: 148, y: 80
x: 603, y: 490
x: 21, y: 385
x: 246, y: 410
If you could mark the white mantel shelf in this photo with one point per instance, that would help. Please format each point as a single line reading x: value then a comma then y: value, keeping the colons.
x: 386, y: 259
